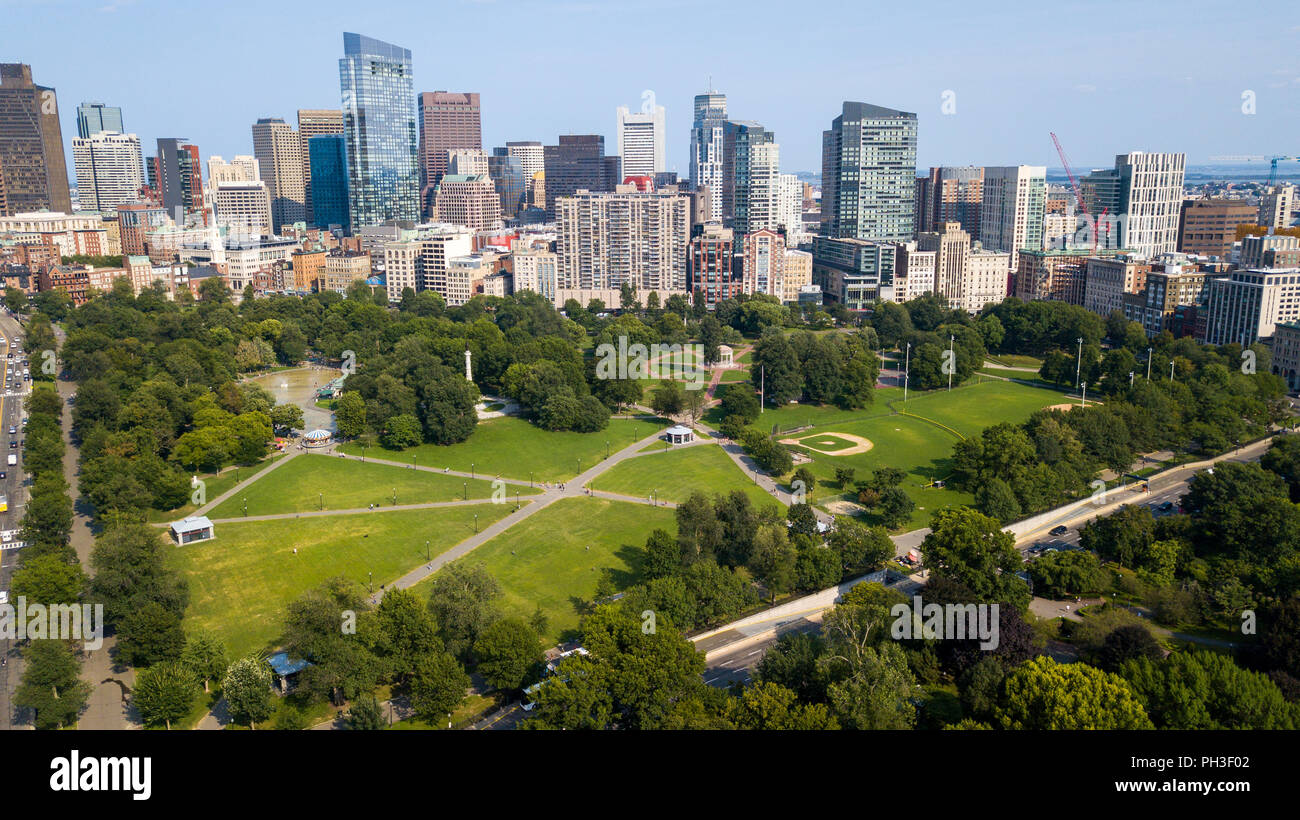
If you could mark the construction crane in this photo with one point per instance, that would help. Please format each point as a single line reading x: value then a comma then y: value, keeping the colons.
x: 1078, y: 193
x: 1272, y: 162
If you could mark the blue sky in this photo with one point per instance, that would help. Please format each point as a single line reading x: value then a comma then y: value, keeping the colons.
x: 1107, y: 77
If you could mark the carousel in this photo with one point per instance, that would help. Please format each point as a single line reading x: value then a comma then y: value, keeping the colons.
x: 317, y: 438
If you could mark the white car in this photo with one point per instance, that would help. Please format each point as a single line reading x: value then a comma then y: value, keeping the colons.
x: 4, y: 597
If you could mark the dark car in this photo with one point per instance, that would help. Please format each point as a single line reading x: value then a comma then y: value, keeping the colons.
x: 1168, y: 506
x: 13, y: 445
x: 1059, y: 530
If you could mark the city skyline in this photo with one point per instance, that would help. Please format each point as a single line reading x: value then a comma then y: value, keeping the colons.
x: 1078, y: 99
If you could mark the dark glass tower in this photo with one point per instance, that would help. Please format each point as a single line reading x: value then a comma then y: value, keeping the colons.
x: 329, y: 181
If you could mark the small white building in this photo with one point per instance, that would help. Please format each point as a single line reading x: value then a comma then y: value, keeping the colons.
x: 192, y: 529
x: 677, y: 434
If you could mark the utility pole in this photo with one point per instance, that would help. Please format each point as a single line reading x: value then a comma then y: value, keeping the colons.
x: 907, y: 364
x: 762, y: 386
x: 952, y: 362
x: 1078, y: 364
x: 1085, y: 394
x: 1149, y: 364
x: 1171, y: 370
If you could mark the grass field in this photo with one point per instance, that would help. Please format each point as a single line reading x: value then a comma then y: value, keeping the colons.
x: 214, y: 485
x: 921, y: 444
x: 514, y: 448
x: 678, y: 473
x: 554, y: 558
x: 346, y: 484
x: 729, y: 376
x: 828, y: 442
x: 241, y: 581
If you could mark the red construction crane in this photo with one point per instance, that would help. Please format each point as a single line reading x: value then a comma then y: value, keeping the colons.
x: 1078, y: 194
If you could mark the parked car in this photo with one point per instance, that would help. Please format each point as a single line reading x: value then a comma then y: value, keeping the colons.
x: 1059, y: 530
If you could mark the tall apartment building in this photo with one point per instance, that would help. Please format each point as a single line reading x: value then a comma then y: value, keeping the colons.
x: 244, y: 207
x: 1056, y: 274
x: 1143, y: 195
x: 764, y: 262
x: 750, y: 176
x: 241, y: 168
x: 578, y: 162
x: 423, y: 261
x: 714, y: 266
x: 379, y: 123
x: 278, y: 148
x: 341, y: 270
x: 950, y: 194
x: 314, y: 122
x: 176, y: 174
x: 1255, y: 248
x: 1011, y: 209
x: 604, y: 240
x: 93, y: 117
x: 1209, y: 226
x: 641, y: 141
x: 448, y: 120
x: 536, y: 271
x: 1276, y: 206
x: 789, y: 207
x: 470, y: 200
x: 110, y: 170
x: 1286, y: 353
x: 135, y: 220
x: 707, y: 148
x: 869, y: 174
x: 796, y: 274
x: 1106, y: 281
x: 328, y: 154
x: 1248, y: 304
x: 35, y: 174
x: 308, y: 267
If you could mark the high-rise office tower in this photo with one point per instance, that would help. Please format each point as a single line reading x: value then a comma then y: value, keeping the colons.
x: 469, y: 200
x: 93, y: 117
x: 641, y: 141
x: 507, y: 175
x: 532, y: 162
x: 31, y: 144
x: 950, y: 194
x: 241, y: 168
x: 243, y: 207
x: 110, y: 170
x: 328, y: 154
x: 448, y: 120
x: 379, y: 122
x: 1011, y: 211
x: 578, y: 163
x: 707, y: 141
x: 314, y: 122
x: 869, y: 174
x: 278, y: 149
x: 471, y: 161
x: 789, y: 206
x: 1276, y: 205
x: 175, y: 173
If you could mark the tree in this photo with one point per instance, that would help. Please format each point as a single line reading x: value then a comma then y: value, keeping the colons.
x: 770, y: 706
x: 401, y: 431
x: 895, y: 507
x: 163, y: 693
x: 740, y: 400
x: 1207, y: 690
x: 1070, y: 572
x: 46, y: 579
x: 1125, y: 643
x: 247, y: 689
x: 350, y: 414
x: 205, y: 656
x: 1044, y: 694
x: 971, y: 549
x: 287, y: 417
x: 437, y: 686
x: 668, y: 398
x: 130, y: 572
x: 150, y: 635
x: 366, y: 715
x: 507, y: 652
x: 463, y: 600
x: 51, y: 686
x: 409, y: 629
x: 860, y: 547
x: 776, y: 357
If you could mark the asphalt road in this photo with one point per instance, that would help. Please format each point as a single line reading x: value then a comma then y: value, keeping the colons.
x: 13, y: 487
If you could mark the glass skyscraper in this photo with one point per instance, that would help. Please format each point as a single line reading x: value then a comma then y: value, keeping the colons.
x: 328, y: 155
x: 869, y: 174
x: 381, y: 132
x: 93, y: 117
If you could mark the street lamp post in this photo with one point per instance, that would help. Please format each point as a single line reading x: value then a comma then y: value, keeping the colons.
x: 428, y: 556
x: 320, y: 501
x: 952, y: 362
x: 1085, y: 394
x: 471, y: 469
x: 1171, y: 370
x: 1149, y: 364
x: 907, y: 365
x: 1078, y: 364
x: 476, y: 523
x: 394, y: 496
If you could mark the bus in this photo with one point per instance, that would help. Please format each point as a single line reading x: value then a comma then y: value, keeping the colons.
x: 4, y: 503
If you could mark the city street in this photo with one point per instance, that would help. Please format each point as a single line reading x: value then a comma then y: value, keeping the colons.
x: 12, y: 486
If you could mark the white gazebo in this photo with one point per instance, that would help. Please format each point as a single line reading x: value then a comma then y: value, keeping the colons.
x: 724, y: 355
x: 677, y: 434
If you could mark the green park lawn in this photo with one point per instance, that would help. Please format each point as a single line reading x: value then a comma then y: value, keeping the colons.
x: 729, y: 376
x: 555, y: 557
x: 514, y: 448
x: 310, y: 479
x: 214, y: 485
x: 826, y: 441
x: 676, y: 474
x: 971, y: 408
x: 241, y: 581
